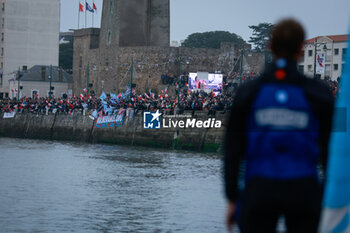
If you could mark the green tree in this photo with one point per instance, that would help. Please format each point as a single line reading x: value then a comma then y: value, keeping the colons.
x: 211, y: 39
x: 261, y: 35
x: 66, y: 55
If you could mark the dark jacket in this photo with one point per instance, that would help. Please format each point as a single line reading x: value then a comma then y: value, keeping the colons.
x: 317, y: 93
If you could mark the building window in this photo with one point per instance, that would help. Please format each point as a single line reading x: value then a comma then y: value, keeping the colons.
x: 3, y: 22
x: 43, y: 73
x: 301, y: 69
x: 2, y: 51
x: 310, y: 53
x: 3, y: 7
x: 335, y: 66
x: 327, y: 70
x: 344, y: 54
x: 302, y: 57
x: 309, y: 68
x: 336, y: 51
x: 2, y: 36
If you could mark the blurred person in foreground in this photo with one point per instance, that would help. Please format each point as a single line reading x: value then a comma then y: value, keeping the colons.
x: 279, y: 126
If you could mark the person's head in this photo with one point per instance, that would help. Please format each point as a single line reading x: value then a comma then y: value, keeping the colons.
x: 287, y: 39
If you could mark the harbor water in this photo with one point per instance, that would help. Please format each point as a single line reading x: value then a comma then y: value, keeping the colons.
x: 48, y: 186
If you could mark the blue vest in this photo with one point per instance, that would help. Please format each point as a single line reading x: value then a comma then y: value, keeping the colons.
x: 282, y: 134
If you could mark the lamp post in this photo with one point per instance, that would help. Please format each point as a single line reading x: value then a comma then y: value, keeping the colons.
x: 50, y: 79
x: 131, y: 76
x: 178, y: 90
x: 18, y: 80
x: 88, y: 78
x: 315, y: 51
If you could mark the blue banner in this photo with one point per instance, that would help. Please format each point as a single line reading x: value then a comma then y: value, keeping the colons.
x: 336, y: 213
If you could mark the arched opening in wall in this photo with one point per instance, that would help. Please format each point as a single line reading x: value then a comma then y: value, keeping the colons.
x: 109, y: 35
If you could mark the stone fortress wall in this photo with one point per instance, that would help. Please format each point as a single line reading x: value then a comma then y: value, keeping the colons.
x: 81, y: 128
x: 140, y: 31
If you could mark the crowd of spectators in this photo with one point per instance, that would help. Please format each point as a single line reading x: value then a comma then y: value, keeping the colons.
x: 185, y: 101
x: 334, y: 85
x: 168, y: 79
x: 193, y: 101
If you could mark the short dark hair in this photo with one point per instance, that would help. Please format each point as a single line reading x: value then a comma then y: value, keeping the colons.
x: 287, y: 38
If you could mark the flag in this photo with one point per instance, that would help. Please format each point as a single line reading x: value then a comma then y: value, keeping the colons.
x: 320, y: 64
x: 81, y: 7
x: 94, y: 114
x: 113, y: 96
x: 336, y: 203
x: 94, y: 6
x: 103, y: 96
x: 88, y: 8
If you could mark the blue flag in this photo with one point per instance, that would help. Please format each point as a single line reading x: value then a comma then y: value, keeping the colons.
x: 103, y: 96
x: 113, y: 96
x: 89, y: 8
x: 336, y: 212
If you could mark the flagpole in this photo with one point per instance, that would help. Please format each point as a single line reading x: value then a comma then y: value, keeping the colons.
x: 79, y: 14
x: 93, y: 13
x: 85, y: 15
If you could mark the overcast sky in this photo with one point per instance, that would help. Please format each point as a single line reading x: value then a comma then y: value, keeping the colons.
x: 321, y: 17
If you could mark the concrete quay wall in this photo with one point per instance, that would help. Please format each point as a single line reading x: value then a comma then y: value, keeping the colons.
x: 81, y: 128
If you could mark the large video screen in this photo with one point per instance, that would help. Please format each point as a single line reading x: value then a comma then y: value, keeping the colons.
x: 213, y: 82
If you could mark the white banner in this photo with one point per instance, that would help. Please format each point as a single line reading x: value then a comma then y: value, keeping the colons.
x: 320, y: 63
x: 9, y: 114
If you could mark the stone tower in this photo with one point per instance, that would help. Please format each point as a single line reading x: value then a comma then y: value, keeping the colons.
x: 130, y: 23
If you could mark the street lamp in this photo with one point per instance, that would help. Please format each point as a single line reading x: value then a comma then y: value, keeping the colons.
x: 316, y: 46
x: 50, y: 79
x: 179, y: 79
x: 19, y: 76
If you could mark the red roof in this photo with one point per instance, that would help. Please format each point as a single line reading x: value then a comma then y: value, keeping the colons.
x: 335, y: 38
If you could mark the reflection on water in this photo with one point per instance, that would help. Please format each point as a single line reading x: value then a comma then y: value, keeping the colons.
x: 65, y: 187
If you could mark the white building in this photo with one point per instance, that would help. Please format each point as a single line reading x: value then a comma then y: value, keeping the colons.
x: 333, y: 48
x: 29, y: 31
x: 35, y: 82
